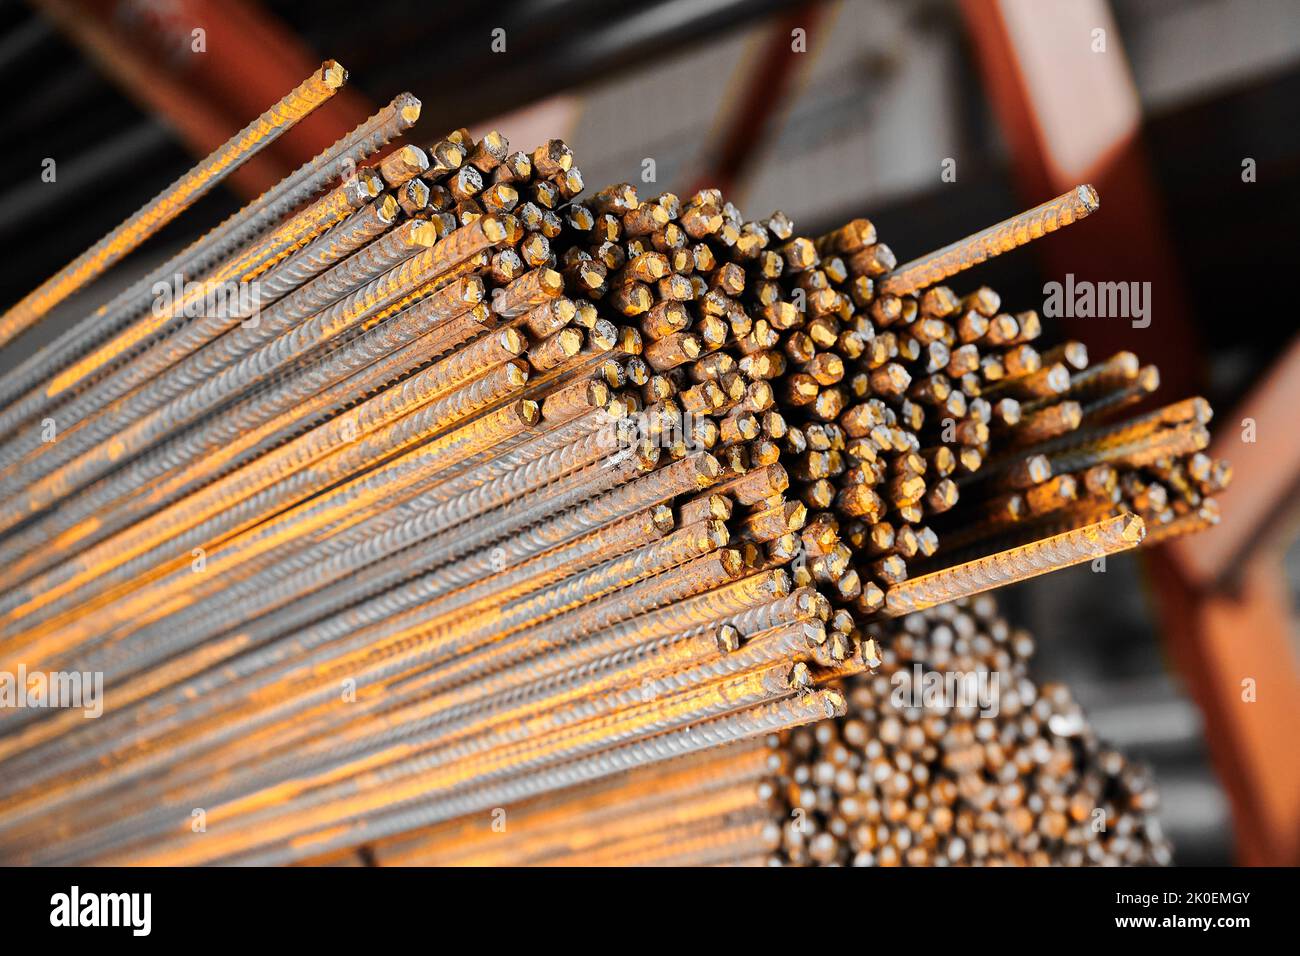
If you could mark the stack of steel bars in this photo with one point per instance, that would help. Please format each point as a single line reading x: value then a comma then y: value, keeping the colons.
x: 1008, y: 774
x: 423, y: 487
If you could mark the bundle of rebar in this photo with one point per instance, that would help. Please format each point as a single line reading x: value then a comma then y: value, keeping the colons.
x: 428, y: 486
x: 910, y: 776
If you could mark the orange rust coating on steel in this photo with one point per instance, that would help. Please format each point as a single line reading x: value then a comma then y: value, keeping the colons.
x: 323, y: 445
x: 427, y: 346
x: 1017, y: 564
x: 174, y: 200
x: 372, y: 792
x: 310, y: 223
x: 1007, y: 235
x: 388, y: 292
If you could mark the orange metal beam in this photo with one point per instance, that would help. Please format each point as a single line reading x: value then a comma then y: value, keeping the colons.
x: 765, y: 92
x: 1261, y: 441
x: 1228, y: 618
x: 1070, y: 114
x: 1220, y: 641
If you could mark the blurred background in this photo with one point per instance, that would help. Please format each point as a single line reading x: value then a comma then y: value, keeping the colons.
x: 933, y: 118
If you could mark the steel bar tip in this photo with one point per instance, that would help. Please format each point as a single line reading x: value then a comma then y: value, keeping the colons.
x: 1064, y: 550
x: 174, y: 200
x: 1022, y: 228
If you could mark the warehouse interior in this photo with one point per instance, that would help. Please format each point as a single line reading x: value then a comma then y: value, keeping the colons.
x: 932, y: 118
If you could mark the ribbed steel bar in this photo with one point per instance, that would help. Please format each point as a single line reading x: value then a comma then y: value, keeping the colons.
x: 173, y: 200
x: 256, y: 425
x: 375, y: 295
x: 338, y: 243
x: 755, y: 722
x: 393, y: 420
x: 381, y: 614
x: 198, y: 258
x: 334, y: 305
x: 548, y: 818
x: 767, y: 649
x: 964, y: 254
x: 369, y: 556
x: 1018, y: 564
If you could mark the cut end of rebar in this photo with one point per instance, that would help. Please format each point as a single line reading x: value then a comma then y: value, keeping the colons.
x: 551, y: 282
x: 423, y: 234
x: 495, y: 144
x: 529, y: 411
x: 333, y: 74
x: 370, y: 181
x: 408, y: 108
x: 569, y: 341
x: 708, y: 468
x: 814, y: 631
x: 564, y: 309
x: 647, y: 456
x: 516, y: 373
x: 834, y: 703
x: 728, y: 639
x: 414, y: 157
x: 731, y: 561
x: 630, y: 342
x: 870, y: 652
x: 473, y: 290
x: 779, y: 584
x: 1058, y: 378
x: 778, y: 479
x: 603, y: 335
x: 1133, y: 530
x: 1202, y: 411
x: 661, y: 516
x: 1039, y: 468
x: 597, y: 394
x: 1089, y: 200
x: 800, y: 676
x: 513, y: 341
